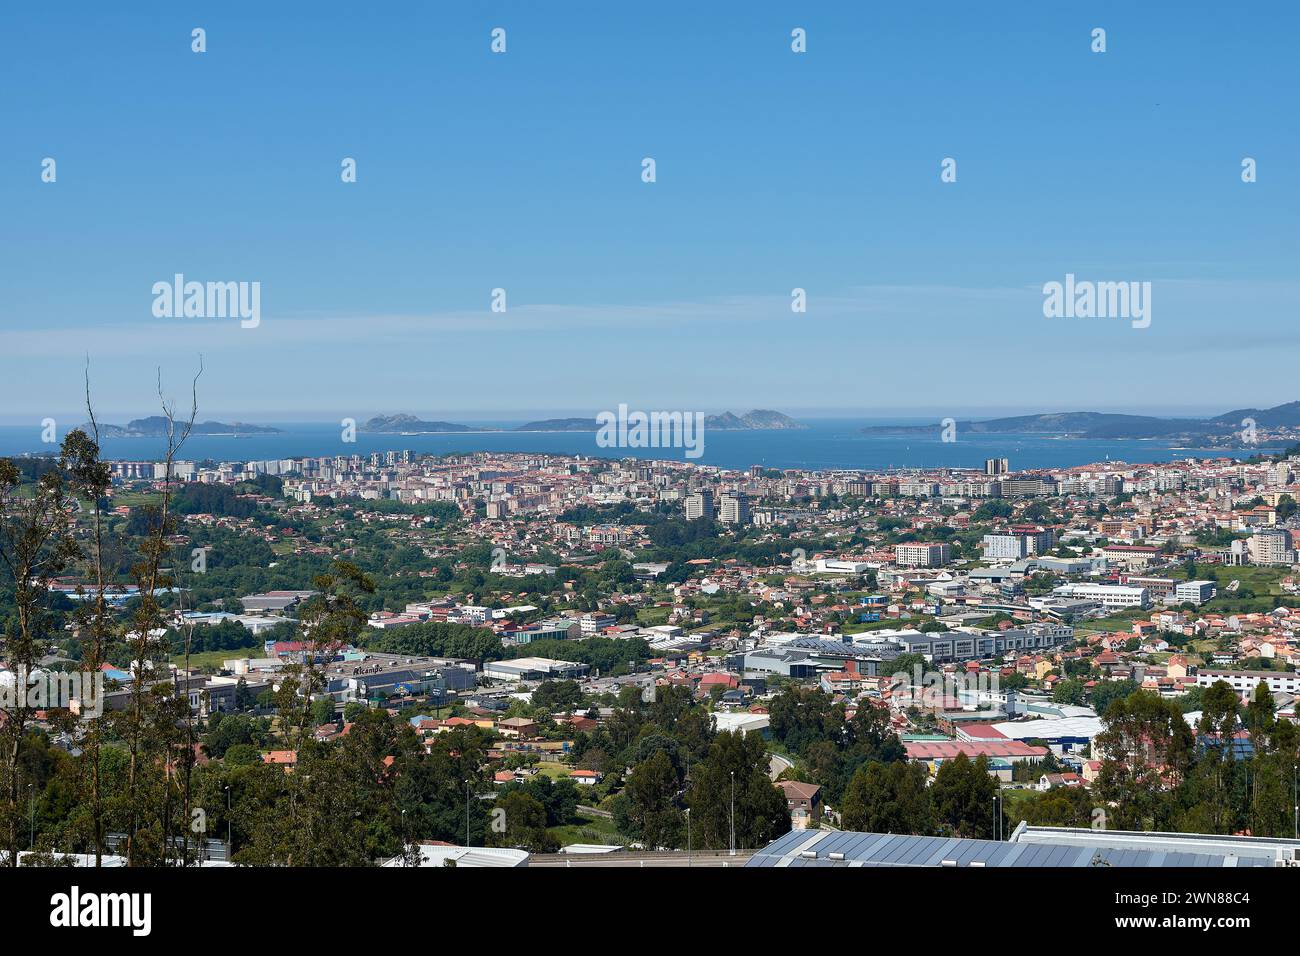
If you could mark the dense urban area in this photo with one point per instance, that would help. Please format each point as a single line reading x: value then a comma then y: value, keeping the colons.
x: 523, y: 659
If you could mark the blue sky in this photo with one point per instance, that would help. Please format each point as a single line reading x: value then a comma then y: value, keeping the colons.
x: 522, y: 171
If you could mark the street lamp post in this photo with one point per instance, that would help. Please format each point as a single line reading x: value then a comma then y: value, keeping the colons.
x: 467, y: 812
x: 688, y: 836
x: 733, y: 813
x: 230, y: 844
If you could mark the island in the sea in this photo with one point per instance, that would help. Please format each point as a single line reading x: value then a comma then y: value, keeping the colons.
x: 156, y: 426
x: 410, y: 425
x: 757, y: 419
x: 1105, y: 425
x: 560, y: 425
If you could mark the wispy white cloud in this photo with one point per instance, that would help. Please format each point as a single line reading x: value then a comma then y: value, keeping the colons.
x: 1213, y: 306
x: 190, y: 335
x: 862, y: 346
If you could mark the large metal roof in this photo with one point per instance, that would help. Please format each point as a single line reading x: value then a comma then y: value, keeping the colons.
x: 845, y: 848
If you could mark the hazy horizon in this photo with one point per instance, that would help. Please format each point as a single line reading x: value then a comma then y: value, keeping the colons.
x: 488, y: 416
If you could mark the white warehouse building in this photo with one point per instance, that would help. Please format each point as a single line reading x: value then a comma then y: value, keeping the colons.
x: 1110, y: 595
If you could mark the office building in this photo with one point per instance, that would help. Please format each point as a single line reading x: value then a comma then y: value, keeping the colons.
x: 1194, y: 592
x: 699, y: 505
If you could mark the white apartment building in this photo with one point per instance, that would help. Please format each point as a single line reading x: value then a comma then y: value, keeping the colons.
x: 733, y: 508
x: 593, y: 624
x: 471, y: 614
x: 1005, y: 547
x: 1271, y: 546
x: 1245, y: 682
x: 922, y: 554
x: 918, y: 489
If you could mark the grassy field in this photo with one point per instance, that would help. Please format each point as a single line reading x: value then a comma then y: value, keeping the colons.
x: 653, y: 616
x: 1012, y: 800
x: 214, y: 659
x: 590, y: 830
x: 1265, y: 582
x: 1260, y: 579
x: 132, y: 499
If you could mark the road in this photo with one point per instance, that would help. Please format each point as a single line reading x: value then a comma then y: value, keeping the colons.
x: 776, y: 764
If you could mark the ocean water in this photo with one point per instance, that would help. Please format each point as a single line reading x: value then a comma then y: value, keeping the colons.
x: 825, y: 444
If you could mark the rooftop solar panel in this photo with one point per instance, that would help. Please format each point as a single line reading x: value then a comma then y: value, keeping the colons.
x: 885, y: 849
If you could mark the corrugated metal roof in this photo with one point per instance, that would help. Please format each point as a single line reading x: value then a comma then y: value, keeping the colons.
x: 947, y: 749
x: 889, y: 849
